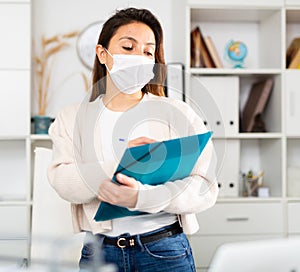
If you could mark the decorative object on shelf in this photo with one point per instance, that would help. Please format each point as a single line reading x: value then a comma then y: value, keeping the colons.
x: 259, y: 124
x: 235, y: 53
x: 252, y: 115
x: 293, y: 54
x: 253, y: 183
x: 263, y: 192
x: 43, y: 62
x: 49, y: 47
x: 86, y: 43
x: 41, y: 124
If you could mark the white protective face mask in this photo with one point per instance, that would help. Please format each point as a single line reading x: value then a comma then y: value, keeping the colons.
x: 130, y: 73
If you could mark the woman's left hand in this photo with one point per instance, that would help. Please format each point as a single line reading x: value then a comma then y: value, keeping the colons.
x: 124, y: 195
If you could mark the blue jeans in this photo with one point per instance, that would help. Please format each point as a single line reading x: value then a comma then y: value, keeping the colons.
x: 167, y: 254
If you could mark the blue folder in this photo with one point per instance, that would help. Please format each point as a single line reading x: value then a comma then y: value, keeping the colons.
x: 155, y: 164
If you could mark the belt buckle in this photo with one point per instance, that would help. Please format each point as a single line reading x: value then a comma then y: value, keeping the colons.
x: 119, y: 242
x: 131, y: 242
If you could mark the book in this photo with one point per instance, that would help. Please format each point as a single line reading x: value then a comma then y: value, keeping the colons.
x: 255, y: 105
x: 213, y: 52
x: 155, y: 164
x: 295, y: 62
x: 207, y: 59
x: 292, y: 51
x: 200, y: 56
x: 195, y: 49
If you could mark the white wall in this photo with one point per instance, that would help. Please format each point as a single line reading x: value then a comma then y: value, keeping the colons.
x: 51, y: 17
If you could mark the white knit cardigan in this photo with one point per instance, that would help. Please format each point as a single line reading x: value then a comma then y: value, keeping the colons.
x: 77, y: 167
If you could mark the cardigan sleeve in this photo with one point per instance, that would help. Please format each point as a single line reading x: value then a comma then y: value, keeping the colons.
x: 74, y: 180
x: 192, y: 194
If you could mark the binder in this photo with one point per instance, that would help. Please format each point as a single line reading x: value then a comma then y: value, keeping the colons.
x: 216, y: 100
x: 155, y: 164
x: 228, y: 150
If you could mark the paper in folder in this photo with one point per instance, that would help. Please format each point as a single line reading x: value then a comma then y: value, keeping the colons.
x: 155, y: 164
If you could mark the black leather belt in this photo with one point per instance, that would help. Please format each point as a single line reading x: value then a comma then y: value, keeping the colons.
x: 131, y: 241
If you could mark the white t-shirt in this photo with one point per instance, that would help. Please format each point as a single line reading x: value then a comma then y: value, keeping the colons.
x: 133, y: 224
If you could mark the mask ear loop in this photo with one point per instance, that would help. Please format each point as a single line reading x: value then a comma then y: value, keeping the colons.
x: 110, y: 55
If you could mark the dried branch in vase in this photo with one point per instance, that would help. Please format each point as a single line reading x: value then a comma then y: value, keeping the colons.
x: 49, y: 47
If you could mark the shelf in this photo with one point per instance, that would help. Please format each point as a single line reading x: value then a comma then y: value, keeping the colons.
x: 293, y: 199
x: 248, y: 199
x: 230, y: 14
x: 293, y: 137
x: 13, y: 137
x: 15, y: 203
x: 252, y: 136
x: 12, y: 238
x: 214, y: 71
x: 39, y: 137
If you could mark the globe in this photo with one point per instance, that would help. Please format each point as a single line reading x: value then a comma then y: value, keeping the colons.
x: 236, y: 52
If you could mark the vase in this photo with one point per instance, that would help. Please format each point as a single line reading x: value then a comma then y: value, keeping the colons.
x: 41, y: 124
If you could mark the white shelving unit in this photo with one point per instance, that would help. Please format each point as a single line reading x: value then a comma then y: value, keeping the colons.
x: 15, y: 146
x: 267, y: 28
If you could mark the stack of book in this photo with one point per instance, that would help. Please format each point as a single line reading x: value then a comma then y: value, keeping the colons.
x: 293, y: 55
x: 203, y: 51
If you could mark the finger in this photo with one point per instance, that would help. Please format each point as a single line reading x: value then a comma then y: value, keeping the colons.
x: 140, y: 141
x: 127, y: 181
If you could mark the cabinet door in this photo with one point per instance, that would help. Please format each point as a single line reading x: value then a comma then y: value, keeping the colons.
x: 14, y: 222
x: 13, y: 171
x: 293, y: 218
x: 292, y: 103
x: 15, y: 35
x: 13, y: 249
x: 14, y: 103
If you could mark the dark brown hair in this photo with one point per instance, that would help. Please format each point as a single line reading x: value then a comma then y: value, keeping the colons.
x: 121, y: 18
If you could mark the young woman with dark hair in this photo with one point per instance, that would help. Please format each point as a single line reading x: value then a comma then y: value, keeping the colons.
x: 128, y: 108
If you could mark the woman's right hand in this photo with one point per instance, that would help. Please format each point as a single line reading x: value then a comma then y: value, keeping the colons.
x: 140, y: 141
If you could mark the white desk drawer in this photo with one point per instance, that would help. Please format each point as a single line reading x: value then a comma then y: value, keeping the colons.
x: 294, y: 218
x: 204, y: 247
x: 243, y: 218
x: 14, y: 221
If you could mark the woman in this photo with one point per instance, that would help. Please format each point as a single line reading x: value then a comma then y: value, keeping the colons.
x: 127, y: 107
